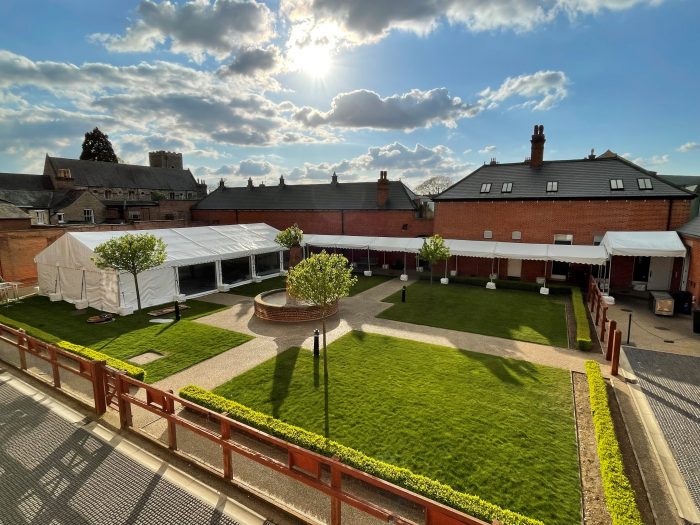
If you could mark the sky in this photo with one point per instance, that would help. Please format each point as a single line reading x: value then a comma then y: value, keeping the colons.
x: 303, y: 88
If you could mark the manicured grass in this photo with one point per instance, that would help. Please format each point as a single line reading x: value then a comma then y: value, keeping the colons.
x: 512, y: 314
x: 183, y: 343
x: 253, y: 289
x: 498, y: 428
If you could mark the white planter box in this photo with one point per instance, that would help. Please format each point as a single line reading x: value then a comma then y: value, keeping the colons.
x: 53, y: 297
x: 257, y: 279
x: 544, y: 291
x: 493, y: 276
x: 125, y: 310
x: 180, y: 298
x: 444, y: 280
x: 453, y: 273
x: 491, y: 286
x: 385, y: 266
x: 540, y: 280
x: 81, y: 305
x: 608, y: 299
x: 403, y: 277
x: 419, y: 268
x: 224, y: 287
x: 368, y: 273
x: 284, y: 272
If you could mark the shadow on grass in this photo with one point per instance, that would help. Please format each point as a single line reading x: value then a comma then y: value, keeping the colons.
x: 284, y: 370
x: 506, y: 370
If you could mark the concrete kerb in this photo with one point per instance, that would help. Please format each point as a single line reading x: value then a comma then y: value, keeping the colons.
x: 673, y: 477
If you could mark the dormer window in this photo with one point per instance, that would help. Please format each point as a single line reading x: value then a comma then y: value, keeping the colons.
x: 552, y: 186
x: 507, y: 187
x: 616, y: 184
x: 644, y: 183
x: 485, y: 187
x: 64, y: 173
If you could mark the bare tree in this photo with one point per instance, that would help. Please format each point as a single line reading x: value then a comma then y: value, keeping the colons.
x: 434, y: 185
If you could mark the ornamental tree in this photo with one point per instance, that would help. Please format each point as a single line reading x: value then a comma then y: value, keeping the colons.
x: 321, y: 280
x: 133, y: 253
x: 97, y: 146
x: 434, y: 250
x: 290, y: 237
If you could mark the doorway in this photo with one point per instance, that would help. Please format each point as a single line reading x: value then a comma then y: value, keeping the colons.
x: 660, y: 270
x: 515, y: 268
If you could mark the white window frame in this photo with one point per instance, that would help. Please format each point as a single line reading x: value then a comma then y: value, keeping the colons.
x: 644, y: 183
x: 507, y: 187
x: 135, y: 215
x: 617, y: 184
x: 488, y: 234
x: 552, y: 186
x: 485, y: 188
x: 61, y: 217
x: 89, y: 215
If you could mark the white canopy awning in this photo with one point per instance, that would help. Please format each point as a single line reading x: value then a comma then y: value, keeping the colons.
x: 645, y: 244
x: 484, y: 249
x: 577, y: 253
x: 516, y: 250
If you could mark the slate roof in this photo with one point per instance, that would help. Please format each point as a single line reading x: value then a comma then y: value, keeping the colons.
x: 10, y: 211
x: 329, y: 196
x: 92, y: 174
x: 692, y: 227
x: 20, y: 181
x: 577, y: 179
x: 689, y: 182
x: 40, y: 199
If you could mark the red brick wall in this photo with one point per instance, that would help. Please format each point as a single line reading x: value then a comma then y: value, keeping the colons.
x: 539, y: 221
x: 18, y: 248
x: 693, y: 245
x: 378, y: 223
x: 15, y: 224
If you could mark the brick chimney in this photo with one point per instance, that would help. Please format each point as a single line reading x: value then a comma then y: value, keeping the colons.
x: 382, y: 189
x: 537, y: 141
x: 250, y: 183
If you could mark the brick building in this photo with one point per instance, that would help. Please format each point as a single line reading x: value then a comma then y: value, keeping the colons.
x: 383, y: 208
x: 690, y: 235
x: 564, y: 202
x: 13, y: 218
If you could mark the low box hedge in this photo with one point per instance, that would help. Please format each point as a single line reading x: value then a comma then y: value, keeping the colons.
x: 129, y: 369
x: 583, y: 332
x: 619, y: 495
x: 470, y: 504
x: 506, y: 284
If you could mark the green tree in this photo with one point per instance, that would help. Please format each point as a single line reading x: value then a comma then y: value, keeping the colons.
x: 321, y: 280
x: 290, y: 237
x: 97, y: 146
x: 133, y: 253
x: 434, y: 250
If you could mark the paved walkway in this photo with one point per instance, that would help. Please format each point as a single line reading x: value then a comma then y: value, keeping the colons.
x: 57, y: 469
x: 356, y: 313
x: 668, y: 398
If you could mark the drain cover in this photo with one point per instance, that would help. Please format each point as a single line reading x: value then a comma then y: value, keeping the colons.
x: 669, y: 341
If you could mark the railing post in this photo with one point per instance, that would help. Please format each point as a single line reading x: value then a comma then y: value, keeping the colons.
x: 611, y: 333
x: 125, y: 420
x: 54, y: 366
x: 21, y: 340
x: 172, y: 426
x: 597, y: 313
x: 603, y: 322
x: 336, y: 483
x: 617, y: 338
x: 99, y: 390
x: 226, y: 435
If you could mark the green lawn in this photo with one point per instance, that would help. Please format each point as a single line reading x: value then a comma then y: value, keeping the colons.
x: 512, y: 314
x: 183, y: 344
x: 253, y: 289
x: 499, y: 428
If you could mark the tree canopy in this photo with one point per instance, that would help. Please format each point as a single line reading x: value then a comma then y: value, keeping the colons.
x: 434, y: 185
x: 434, y: 250
x: 97, y: 146
x: 133, y: 253
x: 292, y: 236
x: 321, y: 279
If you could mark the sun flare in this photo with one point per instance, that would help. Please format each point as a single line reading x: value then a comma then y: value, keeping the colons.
x: 314, y: 60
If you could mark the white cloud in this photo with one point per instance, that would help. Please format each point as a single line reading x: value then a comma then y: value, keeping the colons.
x: 253, y: 61
x: 366, y: 21
x: 688, y: 146
x: 197, y: 28
x: 487, y: 149
x: 423, y: 109
x: 653, y: 161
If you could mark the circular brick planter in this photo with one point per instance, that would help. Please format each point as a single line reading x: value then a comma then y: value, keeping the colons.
x: 272, y: 306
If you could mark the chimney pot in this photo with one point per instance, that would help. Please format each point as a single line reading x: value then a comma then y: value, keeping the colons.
x: 250, y: 183
x: 537, y: 152
x: 382, y: 189
x: 281, y: 180
x: 221, y: 182
x: 334, y: 178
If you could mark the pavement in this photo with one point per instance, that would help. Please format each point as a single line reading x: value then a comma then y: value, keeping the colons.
x: 666, y: 392
x: 58, y: 467
x: 355, y: 313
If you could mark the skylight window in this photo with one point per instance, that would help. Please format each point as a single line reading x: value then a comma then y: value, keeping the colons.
x: 617, y: 184
x: 644, y: 184
x: 552, y: 186
x: 485, y: 187
x: 507, y: 187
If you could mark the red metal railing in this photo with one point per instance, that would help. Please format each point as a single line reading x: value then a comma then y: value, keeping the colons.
x: 605, y: 328
x: 112, y: 388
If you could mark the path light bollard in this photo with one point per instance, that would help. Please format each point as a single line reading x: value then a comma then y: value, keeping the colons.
x: 317, y: 353
x: 629, y: 328
x: 403, y: 294
x: 177, y: 310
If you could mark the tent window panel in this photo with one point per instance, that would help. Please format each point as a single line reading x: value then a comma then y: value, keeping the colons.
x: 235, y: 270
x: 197, y: 278
x: 267, y: 263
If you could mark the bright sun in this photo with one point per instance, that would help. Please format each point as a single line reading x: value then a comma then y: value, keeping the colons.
x: 314, y: 60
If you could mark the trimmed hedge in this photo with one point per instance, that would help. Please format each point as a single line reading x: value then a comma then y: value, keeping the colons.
x: 583, y: 332
x: 470, y: 504
x: 619, y: 495
x: 506, y: 284
x: 129, y: 369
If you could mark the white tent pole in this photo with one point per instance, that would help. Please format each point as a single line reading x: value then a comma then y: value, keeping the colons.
x: 610, y: 275
x: 456, y: 263
x: 493, y: 261
x: 404, y: 263
x: 177, y: 280
x: 369, y: 268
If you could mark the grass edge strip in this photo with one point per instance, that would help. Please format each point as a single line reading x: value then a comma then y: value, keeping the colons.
x: 131, y: 370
